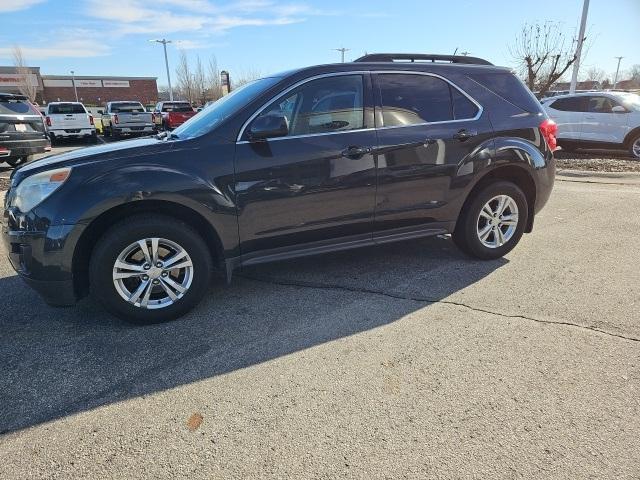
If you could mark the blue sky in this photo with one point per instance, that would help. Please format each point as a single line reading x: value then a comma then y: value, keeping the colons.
x: 98, y: 37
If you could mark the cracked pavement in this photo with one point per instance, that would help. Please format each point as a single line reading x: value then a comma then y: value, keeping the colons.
x: 401, y: 361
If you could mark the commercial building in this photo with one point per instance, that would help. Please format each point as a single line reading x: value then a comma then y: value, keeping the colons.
x: 91, y: 90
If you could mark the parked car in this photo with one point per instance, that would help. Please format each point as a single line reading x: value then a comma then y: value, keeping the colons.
x: 170, y: 115
x: 69, y: 120
x: 22, y: 131
x: 127, y: 118
x: 318, y: 159
x: 597, y: 120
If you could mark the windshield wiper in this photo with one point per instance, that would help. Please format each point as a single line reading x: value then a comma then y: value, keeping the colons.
x: 173, y: 136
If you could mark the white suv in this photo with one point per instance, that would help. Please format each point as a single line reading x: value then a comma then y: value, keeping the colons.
x: 597, y: 120
x: 69, y: 120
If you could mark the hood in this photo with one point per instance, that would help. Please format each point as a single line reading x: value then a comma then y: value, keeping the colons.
x: 99, y: 152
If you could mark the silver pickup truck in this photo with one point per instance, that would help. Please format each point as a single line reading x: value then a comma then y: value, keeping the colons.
x: 127, y: 118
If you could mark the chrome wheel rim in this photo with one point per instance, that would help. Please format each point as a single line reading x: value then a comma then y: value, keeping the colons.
x: 153, y: 273
x: 636, y: 148
x: 497, y: 221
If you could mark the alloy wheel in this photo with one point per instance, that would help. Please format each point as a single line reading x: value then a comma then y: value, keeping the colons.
x: 635, y: 148
x: 153, y: 273
x: 497, y: 221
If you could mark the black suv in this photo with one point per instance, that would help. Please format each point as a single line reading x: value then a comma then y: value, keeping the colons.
x: 387, y: 148
x: 22, y: 131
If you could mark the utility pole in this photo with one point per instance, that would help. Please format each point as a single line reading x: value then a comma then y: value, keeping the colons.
x: 342, y: 50
x: 73, y: 82
x: 576, y: 64
x: 615, y: 81
x: 166, y: 63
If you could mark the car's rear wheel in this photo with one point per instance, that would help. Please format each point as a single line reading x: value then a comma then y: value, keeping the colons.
x: 493, y: 222
x: 634, y: 147
x: 150, y: 269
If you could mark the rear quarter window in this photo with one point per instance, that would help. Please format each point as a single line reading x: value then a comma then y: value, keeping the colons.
x: 15, y: 107
x: 510, y: 88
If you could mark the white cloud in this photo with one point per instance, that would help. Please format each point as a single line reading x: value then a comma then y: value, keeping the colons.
x: 15, y: 5
x: 76, y: 43
x: 194, y: 16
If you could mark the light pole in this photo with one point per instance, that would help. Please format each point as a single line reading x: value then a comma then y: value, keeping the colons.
x: 166, y: 63
x: 615, y: 81
x: 73, y: 82
x: 342, y: 50
x: 576, y: 64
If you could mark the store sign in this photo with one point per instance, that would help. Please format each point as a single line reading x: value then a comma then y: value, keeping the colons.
x: 115, y: 83
x: 88, y: 83
x: 57, y: 83
x: 15, y: 79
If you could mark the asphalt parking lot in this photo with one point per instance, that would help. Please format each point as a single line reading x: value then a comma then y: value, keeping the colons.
x: 403, y: 361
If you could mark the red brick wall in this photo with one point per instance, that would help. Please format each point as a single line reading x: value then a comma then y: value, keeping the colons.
x: 145, y: 91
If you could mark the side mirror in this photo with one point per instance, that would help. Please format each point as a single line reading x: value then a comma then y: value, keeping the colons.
x: 619, y: 109
x: 269, y: 126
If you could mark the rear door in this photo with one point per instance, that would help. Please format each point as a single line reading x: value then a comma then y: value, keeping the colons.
x: 568, y: 113
x: 601, y: 124
x: 315, y: 186
x: 68, y: 116
x: 426, y: 128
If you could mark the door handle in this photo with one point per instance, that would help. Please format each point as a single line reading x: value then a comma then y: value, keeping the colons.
x: 464, y: 134
x: 356, y: 152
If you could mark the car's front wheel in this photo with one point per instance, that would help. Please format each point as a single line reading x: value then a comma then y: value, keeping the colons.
x: 493, y: 222
x: 150, y: 269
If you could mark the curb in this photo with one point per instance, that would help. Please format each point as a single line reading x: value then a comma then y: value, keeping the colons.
x: 586, y: 176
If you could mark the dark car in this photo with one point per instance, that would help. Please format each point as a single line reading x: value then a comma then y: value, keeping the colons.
x: 22, y: 130
x: 314, y: 160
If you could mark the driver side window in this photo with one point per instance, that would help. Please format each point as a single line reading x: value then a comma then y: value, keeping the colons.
x: 326, y: 105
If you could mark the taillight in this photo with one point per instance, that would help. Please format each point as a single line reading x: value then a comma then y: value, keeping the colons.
x: 549, y: 130
x: 48, y: 119
x: 90, y: 119
x: 115, y: 119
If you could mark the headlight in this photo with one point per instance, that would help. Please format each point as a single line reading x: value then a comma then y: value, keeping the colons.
x: 34, y: 189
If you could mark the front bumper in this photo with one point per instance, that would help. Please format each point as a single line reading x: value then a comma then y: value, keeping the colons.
x: 40, y: 259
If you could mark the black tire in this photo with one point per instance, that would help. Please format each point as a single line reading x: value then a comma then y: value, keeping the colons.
x: 52, y: 139
x: 93, y: 139
x: 106, y: 131
x: 13, y: 161
x: 635, y: 153
x: 115, y: 134
x: 466, y: 235
x: 135, y: 228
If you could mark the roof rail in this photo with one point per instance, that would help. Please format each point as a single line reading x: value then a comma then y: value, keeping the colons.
x: 12, y: 96
x: 412, y: 57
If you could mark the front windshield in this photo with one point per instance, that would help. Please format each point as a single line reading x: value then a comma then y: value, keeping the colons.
x: 631, y: 101
x: 213, y: 115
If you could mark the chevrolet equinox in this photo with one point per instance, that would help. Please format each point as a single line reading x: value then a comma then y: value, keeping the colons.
x: 386, y: 148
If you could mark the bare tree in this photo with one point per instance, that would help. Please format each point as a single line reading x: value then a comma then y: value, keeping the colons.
x: 214, y: 91
x: 26, y: 87
x: 185, y: 78
x: 634, y: 73
x: 595, y: 74
x: 245, y: 76
x: 200, y: 82
x: 543, y: 54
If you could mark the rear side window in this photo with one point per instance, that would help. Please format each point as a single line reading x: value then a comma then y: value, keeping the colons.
x: 66, y: 108
x: 414, y: 99
x: 601, y: 104
x: 127, y: 107
x: 13, y: 107
x: 177, y: 107
x: 570, y: 104
x: 463, y: 108
x: 510, y: 88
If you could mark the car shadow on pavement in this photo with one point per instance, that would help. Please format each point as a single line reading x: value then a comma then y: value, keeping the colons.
x: 57, y: 362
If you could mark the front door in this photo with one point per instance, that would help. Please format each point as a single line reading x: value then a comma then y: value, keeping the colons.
x: 601, y: 123
x: 316, y: 185
x: 427, y: 128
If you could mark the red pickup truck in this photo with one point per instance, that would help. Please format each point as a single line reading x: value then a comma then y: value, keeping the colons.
x: 170, y: 115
